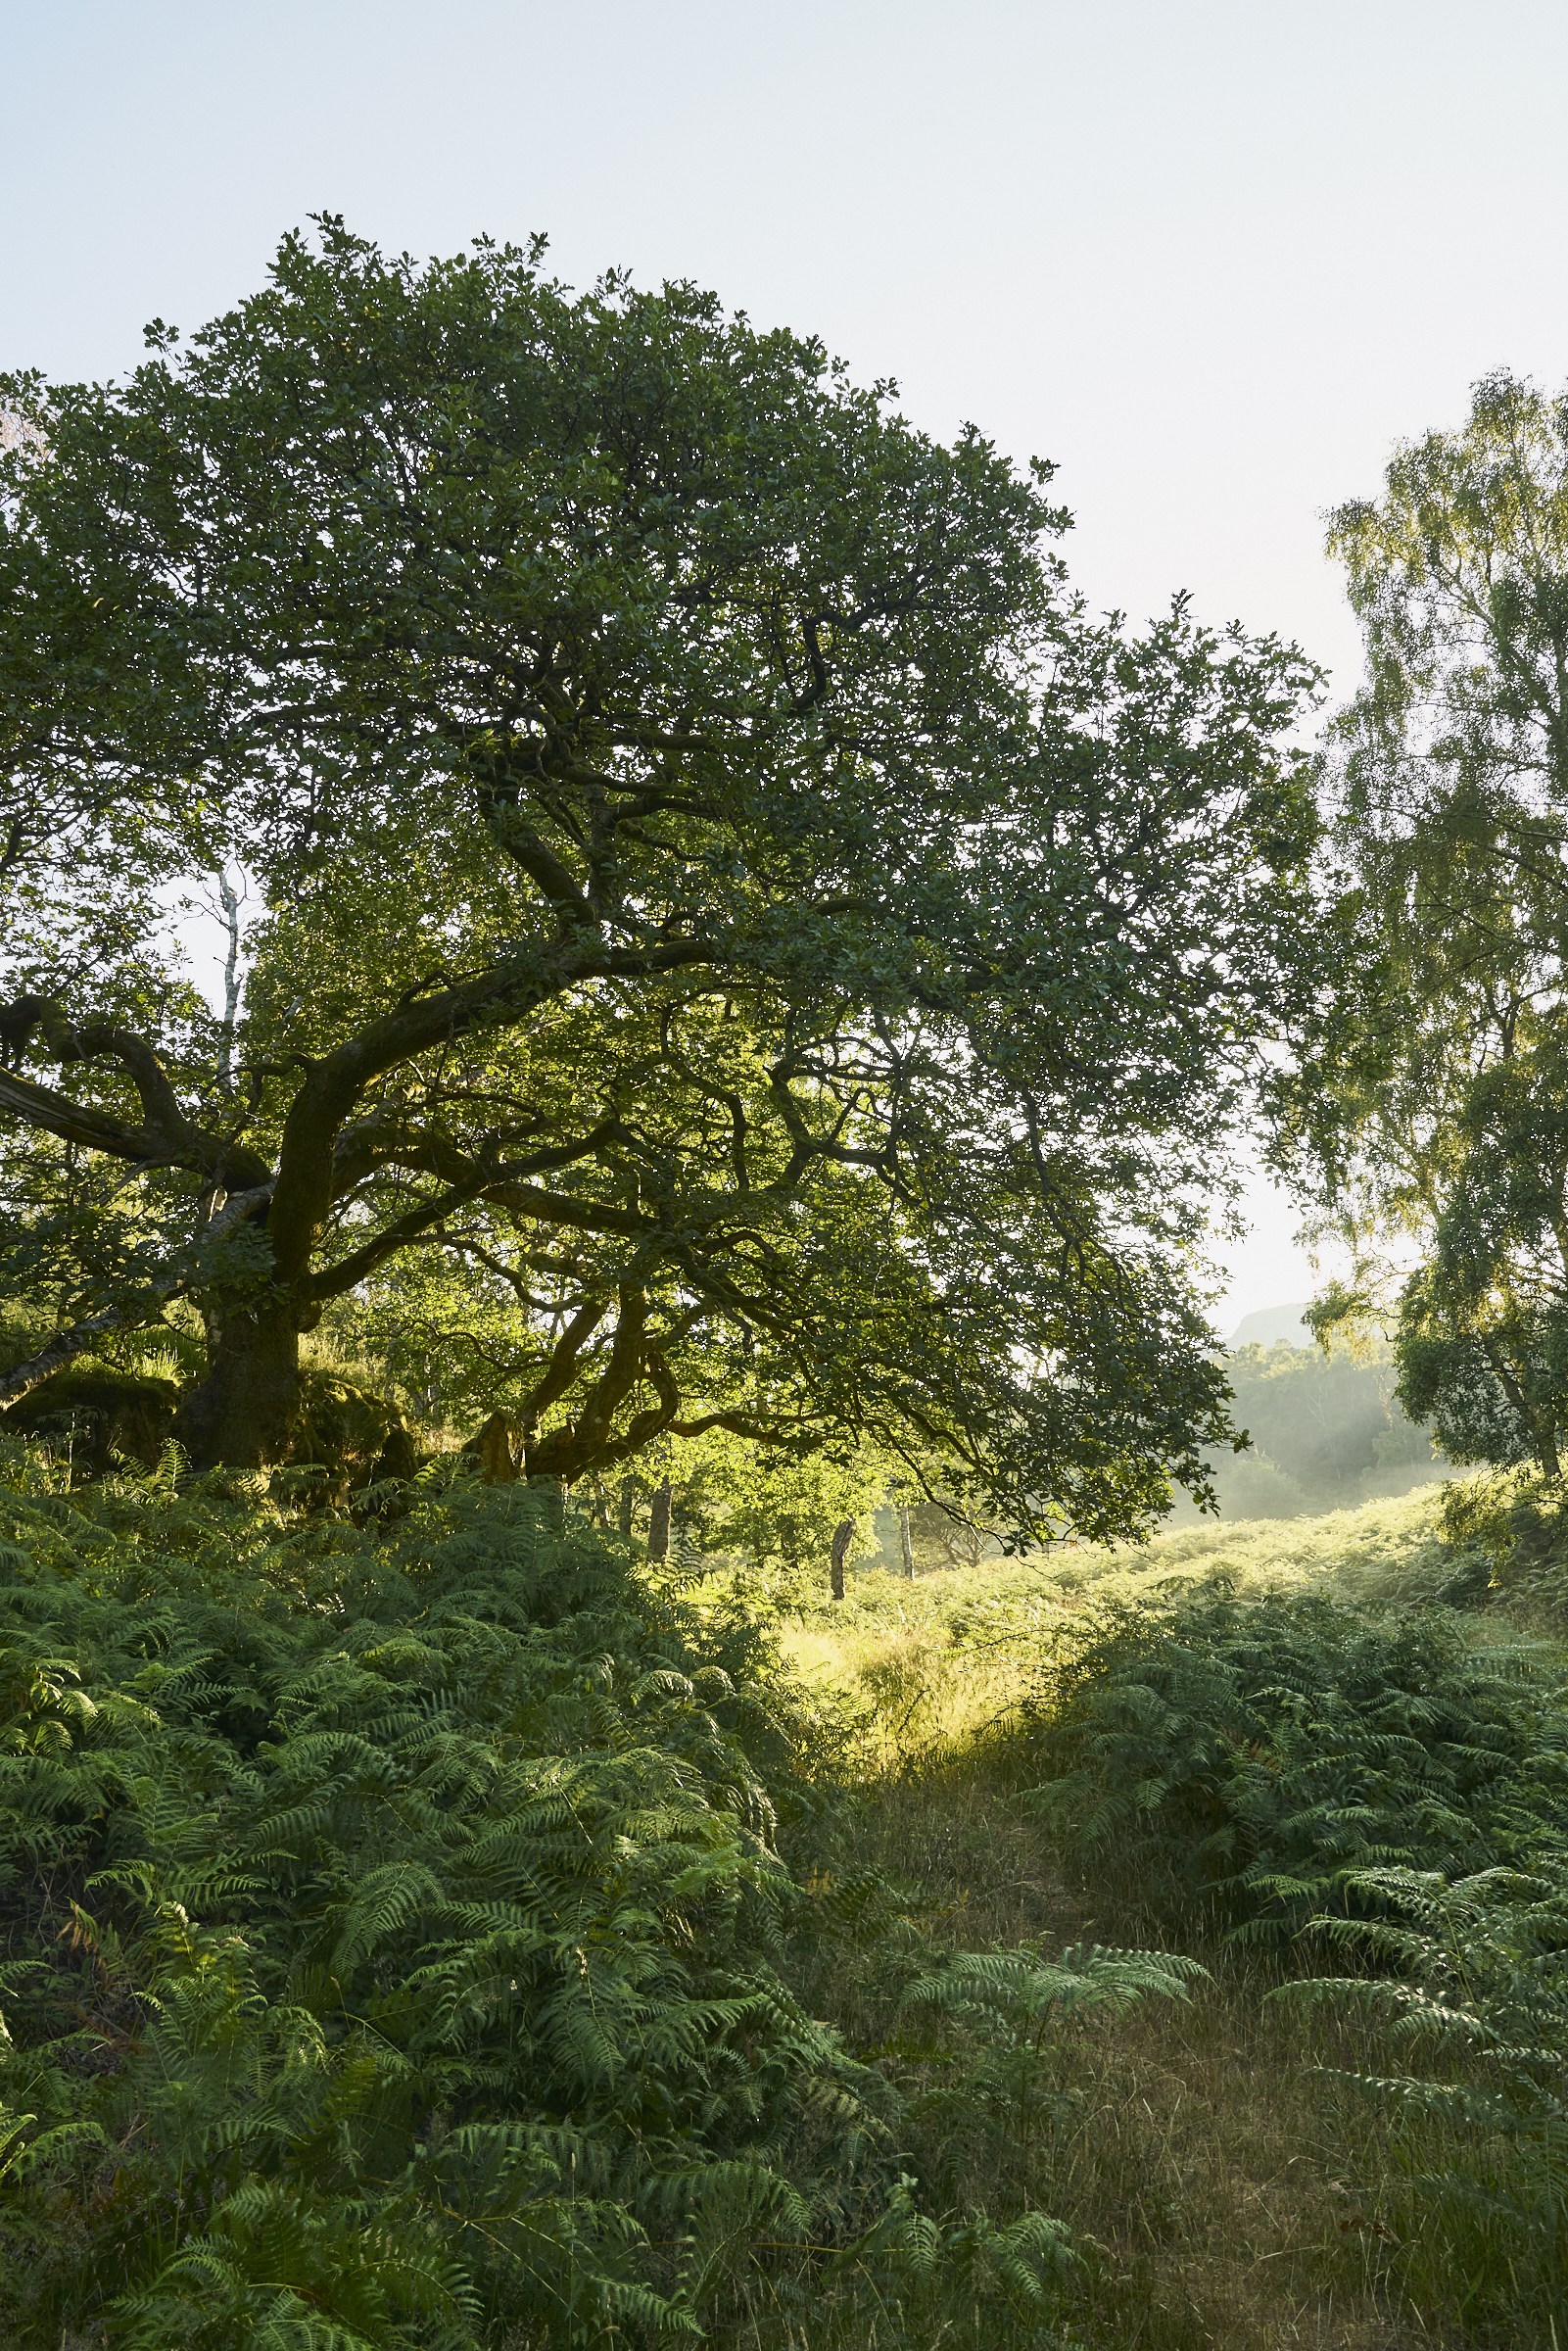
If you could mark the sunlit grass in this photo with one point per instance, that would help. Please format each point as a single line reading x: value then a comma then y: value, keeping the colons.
x: 934, y: 1661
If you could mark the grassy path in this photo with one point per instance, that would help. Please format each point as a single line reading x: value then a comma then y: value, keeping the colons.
x: 1228, y: 2192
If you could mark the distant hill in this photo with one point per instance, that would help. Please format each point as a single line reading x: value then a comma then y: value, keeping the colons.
x: 1271, y: 1324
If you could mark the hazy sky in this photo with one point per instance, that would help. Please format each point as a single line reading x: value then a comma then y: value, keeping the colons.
x: 1213, y: 257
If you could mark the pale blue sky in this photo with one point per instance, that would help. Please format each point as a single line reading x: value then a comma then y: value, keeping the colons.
x: 1212, y: 256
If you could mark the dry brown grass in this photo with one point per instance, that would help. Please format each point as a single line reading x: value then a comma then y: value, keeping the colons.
x: 1227, y: 2177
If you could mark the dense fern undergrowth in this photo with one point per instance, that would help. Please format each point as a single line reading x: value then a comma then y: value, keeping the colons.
x: 399, y: 1948
x: 1378, y: 1801
x: 422, y: 1928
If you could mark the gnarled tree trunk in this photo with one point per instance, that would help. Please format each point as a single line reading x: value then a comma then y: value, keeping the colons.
x: 245, y: 1413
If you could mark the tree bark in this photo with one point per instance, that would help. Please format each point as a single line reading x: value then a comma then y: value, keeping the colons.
x: 60, y: 1350
x: 245, y: 1411
x: 843, y: 1535
x: 905, y: 1546
x: 496, y: 1465
x: 659, y: 1523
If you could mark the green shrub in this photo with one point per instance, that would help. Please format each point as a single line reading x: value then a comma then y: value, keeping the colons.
x: 1013, y: 2006
x: 1479, y: 2005
x: 1327, y: 1776
x: 1507, y: 1530
x: 392, y: 1930
x: 1265, y: 1757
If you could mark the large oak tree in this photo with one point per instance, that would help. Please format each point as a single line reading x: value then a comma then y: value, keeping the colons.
x: 727, y: 914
